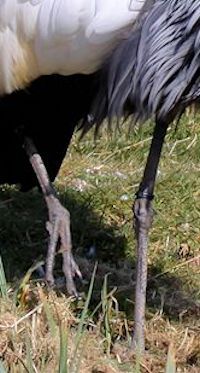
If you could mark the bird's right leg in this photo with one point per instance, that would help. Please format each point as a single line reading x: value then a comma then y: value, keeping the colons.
x: 143, y: 215
x: 58, y: 225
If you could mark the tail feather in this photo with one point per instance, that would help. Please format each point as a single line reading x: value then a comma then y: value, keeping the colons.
x: 119, y: 85
x: 156, y: 71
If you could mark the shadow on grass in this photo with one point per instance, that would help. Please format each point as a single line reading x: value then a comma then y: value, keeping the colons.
x: 23, y: 240
x: 23, y: 237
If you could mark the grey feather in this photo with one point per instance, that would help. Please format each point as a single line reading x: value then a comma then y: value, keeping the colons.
x: 156, y: 71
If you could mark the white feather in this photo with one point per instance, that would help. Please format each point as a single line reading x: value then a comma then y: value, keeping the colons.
x: 40, y: 37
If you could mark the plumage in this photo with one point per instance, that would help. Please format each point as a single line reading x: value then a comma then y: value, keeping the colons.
x: 43, y: 38
x: 160, y: 74
x: 59, y: 36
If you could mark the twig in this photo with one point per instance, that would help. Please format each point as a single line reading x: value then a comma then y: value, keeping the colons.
x: 15, y: 324
x: 145, y: 367
x: 20, y: 360
x: 127, y: 148
x: 175, y: 267
x: 6, y: 201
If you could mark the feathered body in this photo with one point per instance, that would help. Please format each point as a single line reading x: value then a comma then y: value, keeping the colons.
x: 40, y: 39
x: 156, y: 71
x: 43, y: 37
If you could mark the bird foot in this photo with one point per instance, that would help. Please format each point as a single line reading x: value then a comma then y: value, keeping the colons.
x: 137, y: 346
x: 58, y: 228
x: 127, y: 353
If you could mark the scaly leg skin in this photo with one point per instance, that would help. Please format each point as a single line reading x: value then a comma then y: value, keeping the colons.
x: 143, y: 216
x: 58, y: 225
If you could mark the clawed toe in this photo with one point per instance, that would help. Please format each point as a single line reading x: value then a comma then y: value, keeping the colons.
x: 58, y: 227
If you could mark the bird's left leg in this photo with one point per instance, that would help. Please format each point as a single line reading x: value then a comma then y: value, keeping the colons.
x: 143, y: 216
x: 58, y: 225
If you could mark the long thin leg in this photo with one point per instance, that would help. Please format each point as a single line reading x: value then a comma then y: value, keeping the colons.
x: 58, y: 225
x: 143, y: 217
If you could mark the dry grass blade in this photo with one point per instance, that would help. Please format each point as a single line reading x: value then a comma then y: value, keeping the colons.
x: 3, y: 283
x: 176, y: 267
x: 29, y: 363
x: 105, y: 309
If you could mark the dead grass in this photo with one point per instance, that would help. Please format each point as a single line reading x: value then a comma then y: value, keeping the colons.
x: 20, y: 328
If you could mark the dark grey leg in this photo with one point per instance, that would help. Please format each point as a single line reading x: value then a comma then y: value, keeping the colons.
x: 58, y: 225
x: 143, y: 217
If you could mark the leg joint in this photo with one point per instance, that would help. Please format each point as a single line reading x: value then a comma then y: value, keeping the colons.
x: 143, y: 214
x: 144, y: 194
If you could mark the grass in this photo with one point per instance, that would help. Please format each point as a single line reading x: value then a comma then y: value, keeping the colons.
x: 43, y: 332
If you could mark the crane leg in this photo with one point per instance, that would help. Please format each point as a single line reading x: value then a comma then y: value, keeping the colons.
x: 58, y: 225
x: 143, y: 217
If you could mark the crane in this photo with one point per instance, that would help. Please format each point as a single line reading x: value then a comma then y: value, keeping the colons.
x: 41, y: 40
x: 154, y: 73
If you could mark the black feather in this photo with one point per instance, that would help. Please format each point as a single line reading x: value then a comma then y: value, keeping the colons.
x: 48, y: 111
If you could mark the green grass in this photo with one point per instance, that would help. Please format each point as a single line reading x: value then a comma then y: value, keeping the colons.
x: 97, y: 183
